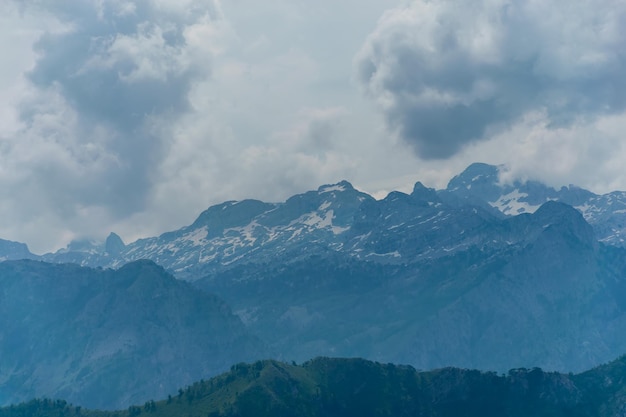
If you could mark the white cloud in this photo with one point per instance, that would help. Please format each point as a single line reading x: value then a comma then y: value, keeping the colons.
x: 134, y: 116
x: 447, y: 73
x: 85, y: 123
x: 146, y: 54
x: 589, y: 155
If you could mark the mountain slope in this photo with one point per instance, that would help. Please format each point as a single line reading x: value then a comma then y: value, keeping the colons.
x: 107, y: 338
x: 355, y: 387
x: 528, y: 289
x: 14, y: 250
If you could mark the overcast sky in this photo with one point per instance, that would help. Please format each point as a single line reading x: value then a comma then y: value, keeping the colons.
x: 134, y: 116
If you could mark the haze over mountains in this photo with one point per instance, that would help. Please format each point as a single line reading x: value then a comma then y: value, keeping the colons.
x: 480, y: 275
x: 106, y: 338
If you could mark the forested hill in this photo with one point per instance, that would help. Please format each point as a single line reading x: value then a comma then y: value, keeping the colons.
x: 356, y: 387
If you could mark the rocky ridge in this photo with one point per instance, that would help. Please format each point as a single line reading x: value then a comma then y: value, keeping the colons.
x: 339, y: 218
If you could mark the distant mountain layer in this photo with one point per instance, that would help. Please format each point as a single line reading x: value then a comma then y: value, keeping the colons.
x: 105, y: 338
x: 327, y: 387
x: 339, y: 218
x: 431, y: 278
x: 480, y: 183
x: 336, y: 217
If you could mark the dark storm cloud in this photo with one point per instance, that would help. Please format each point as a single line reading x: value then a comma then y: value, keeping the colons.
x: 95, y: 74
x: 447, y: 73
x: 125, y: 69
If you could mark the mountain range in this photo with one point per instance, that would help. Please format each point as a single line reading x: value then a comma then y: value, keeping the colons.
x: 414, y: 278
x: 332, y: 217
x: 483, y: 274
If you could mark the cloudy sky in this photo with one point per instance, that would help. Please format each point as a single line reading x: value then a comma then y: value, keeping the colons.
x: 133, y: 116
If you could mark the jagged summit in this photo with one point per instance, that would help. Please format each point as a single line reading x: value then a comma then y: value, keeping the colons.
x: 476, y: 173
x: 114, y: 244
x: 340, y: 186
x: 424, y: 194
x: 478, y: 180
